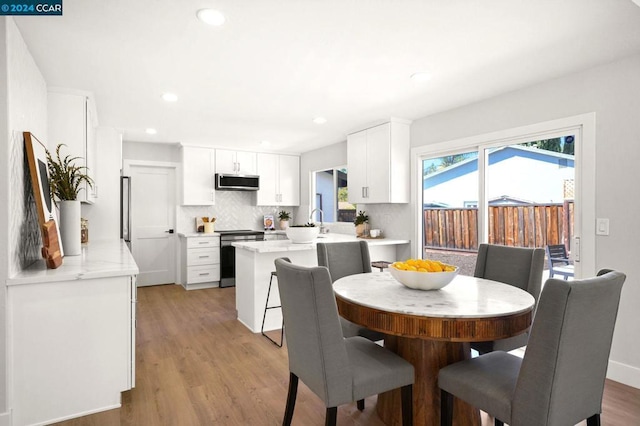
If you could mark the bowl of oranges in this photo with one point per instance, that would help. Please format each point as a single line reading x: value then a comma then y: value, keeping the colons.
x: 423, y: 274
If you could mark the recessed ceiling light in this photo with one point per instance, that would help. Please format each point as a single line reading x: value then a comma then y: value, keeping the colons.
x: 151, y: 131
x: 319, y: 120
x: 421, y: 76
x: 211, y: 17
x: 170, y: 97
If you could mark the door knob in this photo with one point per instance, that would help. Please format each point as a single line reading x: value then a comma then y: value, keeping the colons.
x: 170, y: 231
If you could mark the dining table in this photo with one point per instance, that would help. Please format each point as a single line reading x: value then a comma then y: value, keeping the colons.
x: 432, y: 329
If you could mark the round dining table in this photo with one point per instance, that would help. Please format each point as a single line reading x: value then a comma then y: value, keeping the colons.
x: 432, y: 329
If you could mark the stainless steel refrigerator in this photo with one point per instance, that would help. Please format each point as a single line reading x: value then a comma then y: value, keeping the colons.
x: 125, y: 210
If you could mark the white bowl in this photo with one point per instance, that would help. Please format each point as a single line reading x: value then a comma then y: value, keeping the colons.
x: 423, y: 280
x: 302, y: 234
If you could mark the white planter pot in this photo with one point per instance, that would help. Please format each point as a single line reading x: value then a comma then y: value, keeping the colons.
x: 284, y: 224
x: 70, y: 227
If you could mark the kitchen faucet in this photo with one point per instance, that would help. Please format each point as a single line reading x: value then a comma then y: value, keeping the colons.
x: 322, y: 228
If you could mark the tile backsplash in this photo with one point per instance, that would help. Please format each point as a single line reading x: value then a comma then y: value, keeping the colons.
x: 233, y: 210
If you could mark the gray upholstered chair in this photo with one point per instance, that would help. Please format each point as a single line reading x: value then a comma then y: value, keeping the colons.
x: 336, y: 369
x: 561, y: 378
x: 343, y: 259
x: 517, y: 266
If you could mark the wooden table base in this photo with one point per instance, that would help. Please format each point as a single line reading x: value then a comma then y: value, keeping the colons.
x: 427, y: 357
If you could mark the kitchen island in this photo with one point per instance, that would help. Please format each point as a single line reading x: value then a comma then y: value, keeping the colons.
x: 255, y: 262
x: 71, y: 334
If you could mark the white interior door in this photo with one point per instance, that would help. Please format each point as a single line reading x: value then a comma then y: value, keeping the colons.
x: 153, y: 223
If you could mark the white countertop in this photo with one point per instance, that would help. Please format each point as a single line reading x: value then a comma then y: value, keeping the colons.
x: 198, y: 234
x: 287, y: 245
x: 99, y: 259
x: 464, y: 297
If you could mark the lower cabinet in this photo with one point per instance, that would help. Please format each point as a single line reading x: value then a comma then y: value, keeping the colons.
x: 71, y: 347
x: 200, y: 262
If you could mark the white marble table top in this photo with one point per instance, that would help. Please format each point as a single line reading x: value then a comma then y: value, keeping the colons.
x: 464, y: 297
x: 98, y: 259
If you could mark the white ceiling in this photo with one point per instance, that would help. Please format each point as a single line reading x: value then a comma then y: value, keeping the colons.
x: 277, y: 64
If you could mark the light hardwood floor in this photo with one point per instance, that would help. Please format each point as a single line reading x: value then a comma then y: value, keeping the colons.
x: 197, y: 365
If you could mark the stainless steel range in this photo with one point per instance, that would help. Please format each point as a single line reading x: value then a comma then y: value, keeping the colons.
x: 228, y: 252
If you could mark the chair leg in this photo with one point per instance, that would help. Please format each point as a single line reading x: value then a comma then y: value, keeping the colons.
x: 497, y: 422
x: 291, y: 399
x: 332, y: 416
x: 407, y: 405
x: 361, y: 404
x: 594, y: 420
x: 446, y: 408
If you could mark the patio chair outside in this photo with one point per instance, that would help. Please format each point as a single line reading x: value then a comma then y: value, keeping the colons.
x: 558, y: 261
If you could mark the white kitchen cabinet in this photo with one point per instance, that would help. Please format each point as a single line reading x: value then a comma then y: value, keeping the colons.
x: 378, y: 163
x: 236, y: 162
x: 197, y: 176
x: 279, y: 180
x: 71, y: 335
x: 71, y: 121
x: 200, y: 262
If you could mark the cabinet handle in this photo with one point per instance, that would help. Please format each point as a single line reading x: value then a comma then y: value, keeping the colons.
x: 203, y: 257
x: 363, y: 196
x: 202, y: 274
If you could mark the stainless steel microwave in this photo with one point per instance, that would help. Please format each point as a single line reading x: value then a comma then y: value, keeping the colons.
x: 228, y: 182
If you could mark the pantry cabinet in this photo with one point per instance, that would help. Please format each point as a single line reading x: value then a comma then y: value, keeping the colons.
x: 378, y: 163
x: 279, y: 180
x: 236, y: 162
x: 197, y: 176
x: 72, y: 121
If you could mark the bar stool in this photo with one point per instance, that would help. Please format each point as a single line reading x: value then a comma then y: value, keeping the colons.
x: 382, y: 264
x: 266, y: 308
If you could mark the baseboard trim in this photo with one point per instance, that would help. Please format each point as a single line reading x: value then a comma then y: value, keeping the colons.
x: 623, y: 373
x: 5, y: 419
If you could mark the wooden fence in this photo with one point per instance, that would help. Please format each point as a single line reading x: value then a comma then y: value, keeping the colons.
x: 534, y: 225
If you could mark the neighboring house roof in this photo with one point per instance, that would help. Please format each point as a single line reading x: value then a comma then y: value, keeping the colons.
x: 496, y: 156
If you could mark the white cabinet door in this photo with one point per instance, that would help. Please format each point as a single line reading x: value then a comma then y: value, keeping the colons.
x: 279, y: 180
x: 267, y: 195
x: 246, y: 162
x: 68, y: 124
x: 357, y: 166
x: 378, y: 164
x: 198, y: 176
x: 236, y: 162
x: 289, y: 176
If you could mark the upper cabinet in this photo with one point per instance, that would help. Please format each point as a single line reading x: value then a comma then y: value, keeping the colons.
x: 198, y: 169
x: 236, y: 162
x: 378, y: 163
x: 72, y: 121
x: 279, y: 180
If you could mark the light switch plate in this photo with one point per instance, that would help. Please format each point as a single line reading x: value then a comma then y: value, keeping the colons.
x: 602, y: 226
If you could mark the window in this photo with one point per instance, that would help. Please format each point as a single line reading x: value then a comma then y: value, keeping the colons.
x: 331, y: 196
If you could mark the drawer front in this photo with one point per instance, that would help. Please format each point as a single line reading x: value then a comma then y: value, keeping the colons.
x: 196, y: 242
x: 203, y: 274
x: 203, y: 256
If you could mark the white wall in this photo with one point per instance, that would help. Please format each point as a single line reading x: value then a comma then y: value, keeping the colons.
x: 104, y: 215
x: 25, y: 109
x: 613, y: 92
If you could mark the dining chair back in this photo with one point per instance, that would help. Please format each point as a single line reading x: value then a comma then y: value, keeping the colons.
x: 558, y: 261
x: 336, y: 369
x: 344, y: 259
x: 517, y: 266
x: 560, y: 380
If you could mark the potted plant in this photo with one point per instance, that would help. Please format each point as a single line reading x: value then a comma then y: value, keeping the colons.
x: 360, y: 221
x: 65, y: 180
x: 284, y: 217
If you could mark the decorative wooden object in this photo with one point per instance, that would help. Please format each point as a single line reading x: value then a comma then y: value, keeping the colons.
x: 36, y: 155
